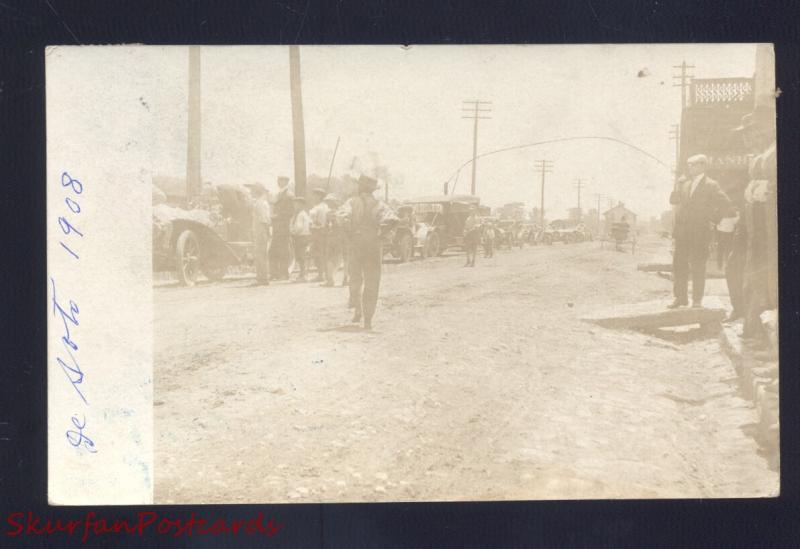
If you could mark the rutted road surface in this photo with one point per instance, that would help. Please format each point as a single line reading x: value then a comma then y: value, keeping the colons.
x: 476, y: 384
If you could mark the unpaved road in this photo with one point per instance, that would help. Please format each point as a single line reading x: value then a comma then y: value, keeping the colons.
x: 477, y: 384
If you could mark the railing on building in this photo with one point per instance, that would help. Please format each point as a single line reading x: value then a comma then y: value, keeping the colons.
x: 714, y: 91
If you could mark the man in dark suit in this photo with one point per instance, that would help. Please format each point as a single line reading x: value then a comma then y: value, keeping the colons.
x: 700, y: 205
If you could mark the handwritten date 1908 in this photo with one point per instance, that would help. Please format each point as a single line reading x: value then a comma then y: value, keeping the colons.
x: 66, y: 225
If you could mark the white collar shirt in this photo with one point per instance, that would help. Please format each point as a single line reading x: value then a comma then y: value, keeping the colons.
x: 695, y: 183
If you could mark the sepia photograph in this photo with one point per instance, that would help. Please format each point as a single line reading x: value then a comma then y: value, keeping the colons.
x: 431, y: 273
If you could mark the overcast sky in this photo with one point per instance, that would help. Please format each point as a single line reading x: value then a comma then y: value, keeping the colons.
x: 401, y: 108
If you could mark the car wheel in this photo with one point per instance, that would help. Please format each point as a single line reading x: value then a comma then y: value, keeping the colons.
x: 187, y: 250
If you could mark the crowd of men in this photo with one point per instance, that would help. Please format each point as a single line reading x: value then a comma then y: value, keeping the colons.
x: 745, y: 221
x: 335, y: 233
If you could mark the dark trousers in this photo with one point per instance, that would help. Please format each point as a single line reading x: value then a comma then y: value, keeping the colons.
x: 488, y: 248
x: 260, y: 252
x: 364, y: 262
x: 279, y: 256
x: 689, y: 258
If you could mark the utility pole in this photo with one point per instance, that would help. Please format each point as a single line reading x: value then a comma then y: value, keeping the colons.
x: 298, y: 128
x: 675, y: 133
x: 599, y: 197
x: 543, y: 167
x: 578, y: 184
x: 194, y: 130
x: 684, y: 78
x: 477, y: 108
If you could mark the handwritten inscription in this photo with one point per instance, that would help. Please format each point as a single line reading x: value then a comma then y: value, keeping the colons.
x: 74, y: 207
x: 66, y: 312
x: 76, y: 436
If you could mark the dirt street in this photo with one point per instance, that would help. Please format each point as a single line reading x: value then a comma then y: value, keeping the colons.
x: 476, y: 384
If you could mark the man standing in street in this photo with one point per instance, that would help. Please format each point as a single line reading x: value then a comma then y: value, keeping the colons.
x: 300, y: 229
x: 282, y: 212
x: 700, y: 205
x: 363, y: 215
x: 332, y: 241
x: 471, y: 235
x: 319, y: 221
x: 262, y: 220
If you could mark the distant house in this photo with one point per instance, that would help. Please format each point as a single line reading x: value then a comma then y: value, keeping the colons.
x: 618, y: 214
x: 512, y: 210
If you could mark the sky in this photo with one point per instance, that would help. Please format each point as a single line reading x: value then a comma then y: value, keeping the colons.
x: 400, y: 108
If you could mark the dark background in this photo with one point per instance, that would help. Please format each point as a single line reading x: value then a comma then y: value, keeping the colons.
x: 27, y: 26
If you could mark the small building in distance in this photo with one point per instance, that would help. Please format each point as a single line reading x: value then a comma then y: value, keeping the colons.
x: 616, y: 215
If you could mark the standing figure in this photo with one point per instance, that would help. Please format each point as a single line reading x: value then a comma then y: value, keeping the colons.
x: 282, y: 212
x: 300, y: 229
x: 262, y: 221
x: 333, y: 239
x: 472, y: 235
x: 319, y: 221
x: 700, y: 205
x: 760, y: 272
x: 363, y: 216
x: 488, y: 239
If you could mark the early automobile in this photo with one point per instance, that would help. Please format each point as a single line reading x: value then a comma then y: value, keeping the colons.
x: 203, y: 240
x: 440, y: 221
x: 407, y: 237
x: 564, y: 230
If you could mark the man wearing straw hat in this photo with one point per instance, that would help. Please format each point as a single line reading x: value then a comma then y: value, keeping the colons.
x: 362, y: 216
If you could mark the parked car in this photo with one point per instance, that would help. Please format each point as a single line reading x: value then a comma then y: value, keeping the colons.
x: 194, y: 241
x: 407, y: 238
x: 441, y: 220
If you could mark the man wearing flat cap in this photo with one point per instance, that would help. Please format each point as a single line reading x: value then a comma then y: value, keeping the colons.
x: 363, y: 216
x: 282, y: 213
x: 699, y: 205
